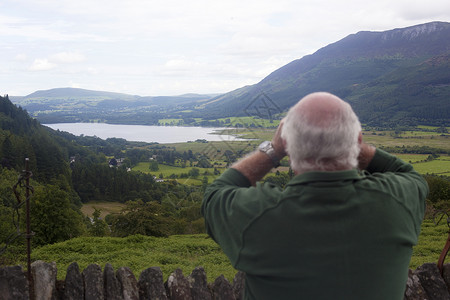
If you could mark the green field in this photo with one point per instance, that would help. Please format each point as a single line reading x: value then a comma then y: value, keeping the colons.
x: 412, y: 158
x: 250, y: 121
x: 105, y: 208
x: 167, y: 170
x: 439, y: 166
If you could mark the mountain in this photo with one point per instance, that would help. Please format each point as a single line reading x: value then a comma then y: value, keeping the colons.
x: 390, y: 77
x: 81, y: 105
x: 73, y: 92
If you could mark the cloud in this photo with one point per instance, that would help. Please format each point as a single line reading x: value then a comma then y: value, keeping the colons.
x: 420, y: 10
x: 176, y: 46
x: 67, y: 57
x: 21, y: 57
x: 53, y: 61
x: 42, y: 65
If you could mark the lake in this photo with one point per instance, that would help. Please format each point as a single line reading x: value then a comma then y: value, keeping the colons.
x: 143, y: 133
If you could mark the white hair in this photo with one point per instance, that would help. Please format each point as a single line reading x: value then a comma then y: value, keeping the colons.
x: 323, y: 145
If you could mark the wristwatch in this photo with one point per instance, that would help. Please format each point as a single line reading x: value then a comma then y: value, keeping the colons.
x: 266, y: 147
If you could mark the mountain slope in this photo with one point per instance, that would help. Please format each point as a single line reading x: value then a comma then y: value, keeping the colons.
x: 357, y: 66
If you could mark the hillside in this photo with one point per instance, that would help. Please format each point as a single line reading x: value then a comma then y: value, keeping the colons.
x: 81, y: 105
x: 400, y: 75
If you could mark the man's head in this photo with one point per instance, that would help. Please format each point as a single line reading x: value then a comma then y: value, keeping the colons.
x: 322, y: 133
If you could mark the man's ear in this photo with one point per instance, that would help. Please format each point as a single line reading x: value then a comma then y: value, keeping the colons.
x: 360, y: 138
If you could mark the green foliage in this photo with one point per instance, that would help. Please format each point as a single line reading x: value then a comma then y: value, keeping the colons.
x: 194, y: 172
x: 143, y: 218
x: 12, y: 218
x: 431, y: 242
x: 154, y: 165
x: 98, y: 227
x: 53, y: 219
x: 439, y: 195
x: 99, y: 182
x: 140, y: 252
x: 187, y: 252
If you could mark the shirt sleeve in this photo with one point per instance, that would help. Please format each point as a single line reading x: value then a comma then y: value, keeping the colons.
x: 399, y: 179
x: 230, y: 203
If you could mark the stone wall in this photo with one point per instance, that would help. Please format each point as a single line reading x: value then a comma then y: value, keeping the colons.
x: 92, y: 283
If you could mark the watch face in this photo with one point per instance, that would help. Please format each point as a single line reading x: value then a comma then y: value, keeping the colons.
x: 264, y: 146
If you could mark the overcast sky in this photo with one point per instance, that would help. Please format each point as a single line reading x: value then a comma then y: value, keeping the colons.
x: 172, y: 47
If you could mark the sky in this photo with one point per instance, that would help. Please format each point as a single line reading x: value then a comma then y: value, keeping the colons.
x: 174, y: 47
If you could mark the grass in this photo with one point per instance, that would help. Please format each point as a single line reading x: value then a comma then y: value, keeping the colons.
x: 439, y: 166
x: 171, y: 122
x: 412, y: 158
x: 434, y: 141
x: 105, y: 207
x: 431, y: 242
x: 167, y: 170
x: 139, y: 253
x: 248, y: 121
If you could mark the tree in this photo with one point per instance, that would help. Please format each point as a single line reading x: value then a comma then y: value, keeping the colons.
x: 99, y: 226
x: 439, y: 194
x: 142, y: 218
x: 204, y: 183
x: 194, y: 172
x: 154, y: 165
x: 204, y: 163
x: 53, y: 218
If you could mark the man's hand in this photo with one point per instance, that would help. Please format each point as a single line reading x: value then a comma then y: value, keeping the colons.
x: 278, y: 144
x: 365, y: 155
x: 256, y: 165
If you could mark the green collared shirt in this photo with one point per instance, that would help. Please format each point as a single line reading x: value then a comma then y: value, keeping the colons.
x: 326, y: 235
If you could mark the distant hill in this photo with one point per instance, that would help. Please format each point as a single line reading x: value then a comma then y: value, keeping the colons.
x: 400, y: 75
x: 74, y: 93
x: 391, y: 78
x: 81, y: 105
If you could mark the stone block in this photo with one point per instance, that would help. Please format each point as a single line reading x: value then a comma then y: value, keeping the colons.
x: 199, y: 285
x: 222, y: 289
x: 93, y: 282
x: 432, y: 282
x: 13, y: 284
x: 239, y: 285
x: 177, y: 286
x: 151, y: 285
x: 113, y: 289
x: 129, y: 284
x: 74, y: 286
x: 44, y: 280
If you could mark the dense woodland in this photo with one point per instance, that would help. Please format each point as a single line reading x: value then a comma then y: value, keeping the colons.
x: 71, y: 170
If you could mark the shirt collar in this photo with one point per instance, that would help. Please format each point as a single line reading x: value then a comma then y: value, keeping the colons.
x: 316, y: 176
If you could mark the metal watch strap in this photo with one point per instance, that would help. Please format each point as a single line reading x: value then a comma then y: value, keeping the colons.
x: 266, y: 147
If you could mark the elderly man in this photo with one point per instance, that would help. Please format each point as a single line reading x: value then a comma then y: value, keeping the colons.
x: 342, y: 228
